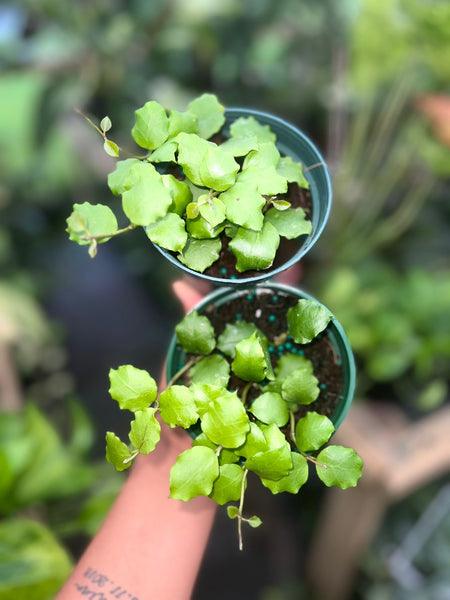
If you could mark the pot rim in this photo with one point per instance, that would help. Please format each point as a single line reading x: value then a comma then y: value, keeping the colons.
x: 232, y: 114
x: 335, y: 330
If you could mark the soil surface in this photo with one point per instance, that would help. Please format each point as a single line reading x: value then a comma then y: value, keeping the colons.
x: 267, y: 309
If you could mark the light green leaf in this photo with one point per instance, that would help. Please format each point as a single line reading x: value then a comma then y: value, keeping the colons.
x: 255, y: 249
x: 313, y: 431
x: 293, y: 481
x: 300, y: 387
x: 111, y: 148
x: 211, y: 370
x: 265, y: 156
x: 239, y: 146
x: 280, y: 204
x: 234, y: 333
x: 255, y: 442
x: 117, y: 453
x: 227, y: 487
x: 288, y: 363
x: 194, y: 473
x: 134, y: 389
x: 212, y: 210
x: 254, y: 521
x: 225, y: 421
x: 145, y: 430
x: 210, y: 114
x: 198, y: 255
x: 218, y: 169
x: 204, y: 394
x: 270, y: 408
x: 292, y: 171
x: 343, y: 467
x: 232, y: 512
x: 105, y: 124
x: 169, y: 232
x: 152, y: 126
x: 290, y: 223
x: 165, y: 153
x: 147, y: 201
x: 250, y: 127
x: 127, y: 173
x: 90, y: 220
x: 273, y: 464
x: 265, y: 180
x: 243, y: 206
x: 306, y: 320
x: 200, y: 229
x: 177, y: 407
x: 182, y: 121
x: 180, y: 192
x: 191, y: 154
x: 196, y: 334
x: 251, y: 362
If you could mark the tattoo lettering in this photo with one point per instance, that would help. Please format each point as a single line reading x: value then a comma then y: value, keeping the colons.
x: 109, y: 591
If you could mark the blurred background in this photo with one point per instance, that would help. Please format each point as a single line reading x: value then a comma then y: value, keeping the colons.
x: 369, y: 82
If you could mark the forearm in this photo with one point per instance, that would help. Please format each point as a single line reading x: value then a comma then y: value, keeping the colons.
x: 149, y: 546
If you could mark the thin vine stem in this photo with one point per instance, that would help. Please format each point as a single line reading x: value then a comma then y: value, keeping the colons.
x: 104, y: 236
x: 241, y: 507
x: 183, y: 370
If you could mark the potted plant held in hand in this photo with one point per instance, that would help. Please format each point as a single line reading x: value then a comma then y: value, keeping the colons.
x: 260, y: 378
x: 234, y: 195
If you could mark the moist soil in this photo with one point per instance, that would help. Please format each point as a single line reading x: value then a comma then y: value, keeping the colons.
x: 267, y: 310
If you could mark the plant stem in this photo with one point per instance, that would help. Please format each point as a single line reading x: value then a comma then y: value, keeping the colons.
x: 292, y: 426
x: 241, y: 506
x: 104, y: 236
x: 313, y: 460
x: 183, y: 370
x: 245, y: 392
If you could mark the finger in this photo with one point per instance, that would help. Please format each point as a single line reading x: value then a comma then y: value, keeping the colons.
x: 187, y: 295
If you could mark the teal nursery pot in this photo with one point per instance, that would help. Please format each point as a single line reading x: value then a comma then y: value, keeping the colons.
x: 266, y: 306
x: 290, y: 142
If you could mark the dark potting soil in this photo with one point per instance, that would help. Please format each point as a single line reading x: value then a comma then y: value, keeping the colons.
x: 267, y: 310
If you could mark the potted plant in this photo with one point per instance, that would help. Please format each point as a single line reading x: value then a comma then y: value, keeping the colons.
x: 261, y: 378
x: 234, y: 195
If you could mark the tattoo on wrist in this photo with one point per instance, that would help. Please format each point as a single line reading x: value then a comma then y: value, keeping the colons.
x: 99, y: 586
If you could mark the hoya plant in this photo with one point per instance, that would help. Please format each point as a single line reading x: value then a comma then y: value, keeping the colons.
x: 201, y: 192
x: 244, y: 399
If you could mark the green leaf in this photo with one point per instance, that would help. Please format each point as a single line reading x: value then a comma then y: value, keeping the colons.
x: 127, y: 173
x: 265, y: 180
x: 195, y: 334
x: 194, y: 473
x: 254, y: 521
x: 300, y: 387
x: 270, y: 408
x: 177, y: 407
x: 117, y: 453
x: 293, y: 481
x: 210, y: 114
x: 306, y: 320
x: 290, y: 223
x: 232, y: 512
x: 212, y: 210
x: 313, y: 431
x: 218, y: 169
x: 111, y: 148
x: 211, y: 370
x: 243, y: 206
x: 343, y: 467
x: 265, y: 156
x: 227, y: 487
x: 191, y: 154
x: 180, y: 193
x: 292, y: 171
x: 225, y: 421
x: 198, y: 255
x: 255, y: 249
x: 200, y: 229
x: 233, y: 334
x: 240, y: 146
x: 280, y: 204
x: 255, y: 442
x: 105, y: 124
x: 182, y: 121
x: 90, y: 220
x: 273, y: 464
x: 147, y: 201
x: 165, y: 153
x: 169, y: 232
x: 134, y: 389
x: 152, y: 126
x: 251, y: 362
x: 204, y: 394
x: 250, y: 127
x: 288, y: 363
x: 145, y: 430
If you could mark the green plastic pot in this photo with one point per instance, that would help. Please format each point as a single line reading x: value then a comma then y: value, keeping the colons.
x: 290, y: 142
x: 334, y: 331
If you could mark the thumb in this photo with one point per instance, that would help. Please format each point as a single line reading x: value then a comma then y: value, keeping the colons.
x: 187, y: 295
